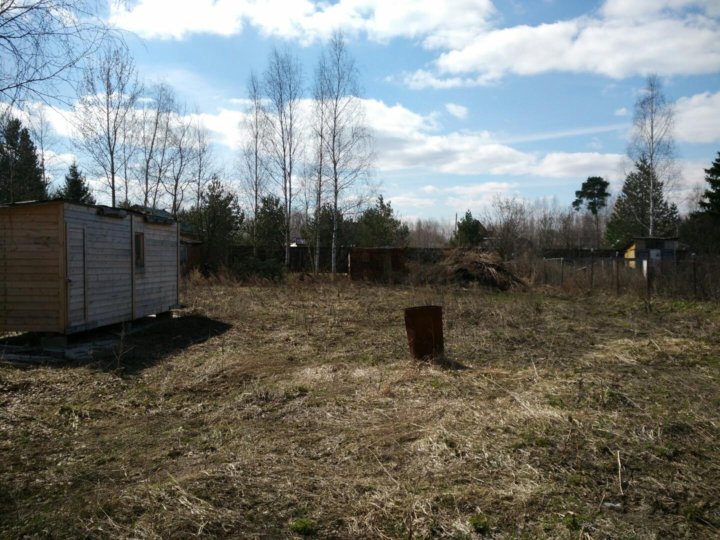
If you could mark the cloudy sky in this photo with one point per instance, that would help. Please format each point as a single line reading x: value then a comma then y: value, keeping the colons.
x: 467, y: 98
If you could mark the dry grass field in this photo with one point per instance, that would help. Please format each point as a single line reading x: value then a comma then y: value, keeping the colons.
x: 288, y: 410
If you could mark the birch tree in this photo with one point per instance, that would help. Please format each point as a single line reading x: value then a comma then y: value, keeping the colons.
x: 347, y: 142
x: 107, y: 94
x: 283, y: 89
x: 41, y: 42
x: 182, y: 154
x: 203, y: 165
x: 154, y: 138
x: 42, y: 134
x: 653, y: 142
x: 318, y: 164
x: 253, y: 159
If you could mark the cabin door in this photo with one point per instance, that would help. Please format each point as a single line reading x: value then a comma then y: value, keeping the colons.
x: 77, y: 307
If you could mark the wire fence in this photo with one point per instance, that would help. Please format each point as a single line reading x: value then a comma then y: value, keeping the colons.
x: 690, y: 278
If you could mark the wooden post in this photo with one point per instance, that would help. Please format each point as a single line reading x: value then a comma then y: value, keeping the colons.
x: 648, y: 278
x: 562, y: 270
x: 592, y: 268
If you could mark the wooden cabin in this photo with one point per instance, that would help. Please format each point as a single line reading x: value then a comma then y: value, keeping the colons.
x: 68, y: 267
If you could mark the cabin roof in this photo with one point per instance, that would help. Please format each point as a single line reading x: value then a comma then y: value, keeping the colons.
x: 135, y: 209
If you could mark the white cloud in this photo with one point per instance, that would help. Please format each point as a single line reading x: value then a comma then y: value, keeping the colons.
x: 461, y: 197
x: 421, y: 79
x: 411, y: 201
x: 564, y: 133
x: 458, y: 111
x: 697, y: 118
x: 224, y: 126
x: 174, y: 20
x: 622, y: 111
x: 438, y: 24
x: 407, y: 140
x: 614, y: 48
x: 624, y: 39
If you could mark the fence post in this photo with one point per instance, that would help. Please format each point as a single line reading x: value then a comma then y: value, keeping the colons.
x: 694, y: 268
x: 592, y: 268
x: 562, y: 270
x: 648, y: 278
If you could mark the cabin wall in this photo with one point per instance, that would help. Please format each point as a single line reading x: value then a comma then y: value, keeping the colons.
x: 99, y: 259
x: 156, y: 282
x: 32, y: 268
x: 65, y: 268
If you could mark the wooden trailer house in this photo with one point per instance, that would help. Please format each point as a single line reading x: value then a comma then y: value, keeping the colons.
x: 67, y: 267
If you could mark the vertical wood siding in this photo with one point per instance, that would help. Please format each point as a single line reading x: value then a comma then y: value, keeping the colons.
x: 156, y: 283
x: 31, y: 268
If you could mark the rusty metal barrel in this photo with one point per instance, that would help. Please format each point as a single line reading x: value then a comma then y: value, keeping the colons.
x: 424, y: 331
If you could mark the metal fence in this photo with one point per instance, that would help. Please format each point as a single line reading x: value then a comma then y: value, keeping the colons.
x: 692, y: 277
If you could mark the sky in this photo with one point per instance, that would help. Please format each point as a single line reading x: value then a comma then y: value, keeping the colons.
x: 467, y: 99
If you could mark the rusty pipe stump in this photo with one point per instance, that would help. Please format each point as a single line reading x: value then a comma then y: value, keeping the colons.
x: 424, y: 331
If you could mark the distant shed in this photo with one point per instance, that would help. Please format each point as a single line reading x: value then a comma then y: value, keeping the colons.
x: 67, y: 267
x: 653, y: 249
x: 384, y: 264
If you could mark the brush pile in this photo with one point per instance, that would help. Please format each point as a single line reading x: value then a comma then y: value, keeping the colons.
x: 464, y: 266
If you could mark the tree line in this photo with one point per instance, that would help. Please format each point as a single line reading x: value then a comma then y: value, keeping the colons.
x: 305, y: 140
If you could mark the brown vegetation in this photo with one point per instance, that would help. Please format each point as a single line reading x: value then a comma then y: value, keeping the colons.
x: 468, y: 266
x: 278, y: 411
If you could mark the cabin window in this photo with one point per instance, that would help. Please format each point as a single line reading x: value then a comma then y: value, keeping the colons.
x: 139, y: 250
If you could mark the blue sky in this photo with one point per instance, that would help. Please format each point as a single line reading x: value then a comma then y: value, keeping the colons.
x: 467, y: 98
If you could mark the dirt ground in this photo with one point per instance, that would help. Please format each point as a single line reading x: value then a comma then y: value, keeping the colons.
x: 289, y: 410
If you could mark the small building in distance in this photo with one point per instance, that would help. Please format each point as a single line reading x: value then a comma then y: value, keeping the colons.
x: 67, y: 267
x: 654, y: 250
x: 380, y: 265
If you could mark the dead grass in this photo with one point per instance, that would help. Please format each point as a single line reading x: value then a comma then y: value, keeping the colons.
x: 578, y: 417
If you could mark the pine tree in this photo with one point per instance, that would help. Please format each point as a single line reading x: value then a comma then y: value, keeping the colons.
x: 217, y: 221
x: 631, y: 215
x: 76, y: 188
x: 711, y: 198
x: 470, y: 232
x: 21, y: 177
x: 593, y: 195
x: 270, y: 224
x: 378, y: 227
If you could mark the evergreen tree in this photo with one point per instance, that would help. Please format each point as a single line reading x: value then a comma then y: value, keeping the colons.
x: 593, y: 195
x: 378, y: 227
x: 270, y: 226
x: 76, y: 188
x: 631, y: 215
x: 321, y: 228
x: 711, y: 198
x: 217, y: 221
x: 21, y: 177
x: 470, y: 232
x: 701, y: 230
